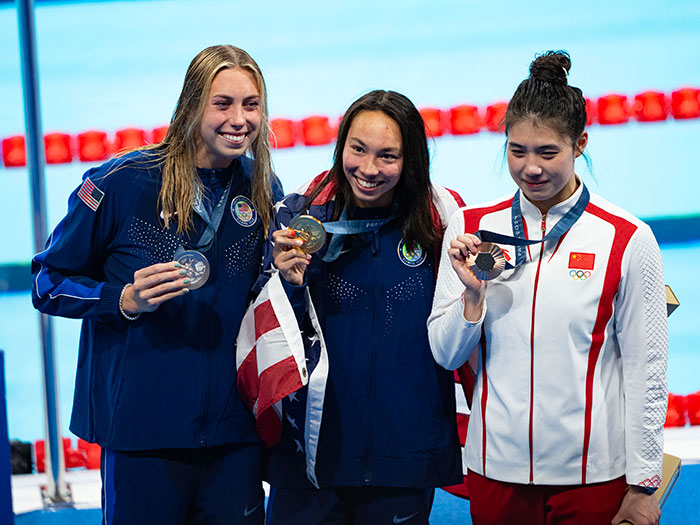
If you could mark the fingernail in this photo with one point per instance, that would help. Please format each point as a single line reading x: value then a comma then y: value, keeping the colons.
x: 177, y: 265
x: 185, y: 290
x: 183, y: 272
x: 187, y: 281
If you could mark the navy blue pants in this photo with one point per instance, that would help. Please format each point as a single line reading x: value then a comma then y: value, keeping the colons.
x: 216, y: 485
x: 349, y: 506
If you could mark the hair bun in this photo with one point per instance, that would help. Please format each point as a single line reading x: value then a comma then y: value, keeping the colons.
x: 552, y: 67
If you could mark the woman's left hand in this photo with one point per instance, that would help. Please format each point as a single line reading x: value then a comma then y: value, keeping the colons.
x: 639, y: 508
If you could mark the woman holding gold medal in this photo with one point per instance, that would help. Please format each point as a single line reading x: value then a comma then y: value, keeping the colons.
x: 388, y: 434
x: 157, y: 255
x: 571, y: 337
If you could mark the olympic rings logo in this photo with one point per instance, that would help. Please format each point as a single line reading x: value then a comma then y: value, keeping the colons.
x: 579, y: 275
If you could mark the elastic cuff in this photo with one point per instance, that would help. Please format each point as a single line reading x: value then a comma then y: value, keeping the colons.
x: 108, y: 307
x: 297, y: 298
x: 295, y: 293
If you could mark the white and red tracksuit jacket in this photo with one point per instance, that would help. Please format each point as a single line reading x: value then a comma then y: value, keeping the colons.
x: 571, y: 380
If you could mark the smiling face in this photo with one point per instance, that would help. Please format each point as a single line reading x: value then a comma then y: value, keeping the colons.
x: 373, y: 159
x: 541, y: 162
x: 231, y: 119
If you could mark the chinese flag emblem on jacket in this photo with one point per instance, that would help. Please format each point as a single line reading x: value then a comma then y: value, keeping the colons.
x: 581, y: 261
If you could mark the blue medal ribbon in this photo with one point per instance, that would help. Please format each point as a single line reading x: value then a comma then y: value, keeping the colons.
x: 518, y: 238
x: 343, y: 227
x: 213, y: 220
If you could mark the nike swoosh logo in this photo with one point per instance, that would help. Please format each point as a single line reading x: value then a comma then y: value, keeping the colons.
x: 163, y: 216
x: 406, y: 518
x: 248, y: 512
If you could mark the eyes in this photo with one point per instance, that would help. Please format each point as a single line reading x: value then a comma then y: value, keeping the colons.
x: 251, y: 104
x: 386, y: 156
x: 546, y: 154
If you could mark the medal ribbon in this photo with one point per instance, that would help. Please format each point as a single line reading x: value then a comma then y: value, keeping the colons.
x: 343, y: 227
x: 212, y: 221
x: 518, y: 240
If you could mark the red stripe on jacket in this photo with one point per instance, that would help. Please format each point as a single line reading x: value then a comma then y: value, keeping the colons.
x: 623, y: 233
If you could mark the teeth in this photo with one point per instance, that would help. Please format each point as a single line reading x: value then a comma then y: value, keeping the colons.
x: 367, y: 184
x: 233, y: 138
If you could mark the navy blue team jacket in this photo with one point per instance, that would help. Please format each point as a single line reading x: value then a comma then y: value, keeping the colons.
x: 389, y: 411
x: 167, y: 379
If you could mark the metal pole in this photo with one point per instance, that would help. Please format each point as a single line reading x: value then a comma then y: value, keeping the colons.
x: 6, y: 514
x: 56, y: 489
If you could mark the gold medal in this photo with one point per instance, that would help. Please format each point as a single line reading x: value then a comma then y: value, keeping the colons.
x: 488, y: 263
x: 310, y: 230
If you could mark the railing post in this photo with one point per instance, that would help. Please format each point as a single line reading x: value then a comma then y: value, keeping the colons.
x: 6, y: 514
x: 56, y: 489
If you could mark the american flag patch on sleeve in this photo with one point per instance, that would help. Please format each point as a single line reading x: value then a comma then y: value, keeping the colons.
x: 90, y: 194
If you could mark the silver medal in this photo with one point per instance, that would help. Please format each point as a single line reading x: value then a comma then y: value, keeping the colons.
x: 197, y: 267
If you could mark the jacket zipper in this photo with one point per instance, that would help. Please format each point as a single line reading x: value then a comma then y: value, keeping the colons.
x: 367, y: 476
x: 206, y: 381
x: 543, y: 227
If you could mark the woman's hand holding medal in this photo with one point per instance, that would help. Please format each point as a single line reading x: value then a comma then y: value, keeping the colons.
x: 153, y: 286
x: 461, y: 250
x: 294, y: 246
x: 288, y: 256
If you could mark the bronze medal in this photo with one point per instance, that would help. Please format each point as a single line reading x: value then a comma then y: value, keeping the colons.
x: 488, y: 263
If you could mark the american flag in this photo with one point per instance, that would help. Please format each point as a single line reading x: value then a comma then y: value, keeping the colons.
x: 275, y: 360
x: 90, y: 194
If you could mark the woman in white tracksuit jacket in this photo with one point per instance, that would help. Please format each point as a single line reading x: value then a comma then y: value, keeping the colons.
x: 570, y: 395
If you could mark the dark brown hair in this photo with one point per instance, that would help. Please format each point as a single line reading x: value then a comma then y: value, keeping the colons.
x: 413, y: 191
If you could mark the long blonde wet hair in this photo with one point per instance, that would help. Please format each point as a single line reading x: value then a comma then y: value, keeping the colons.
x: 179, y: 147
